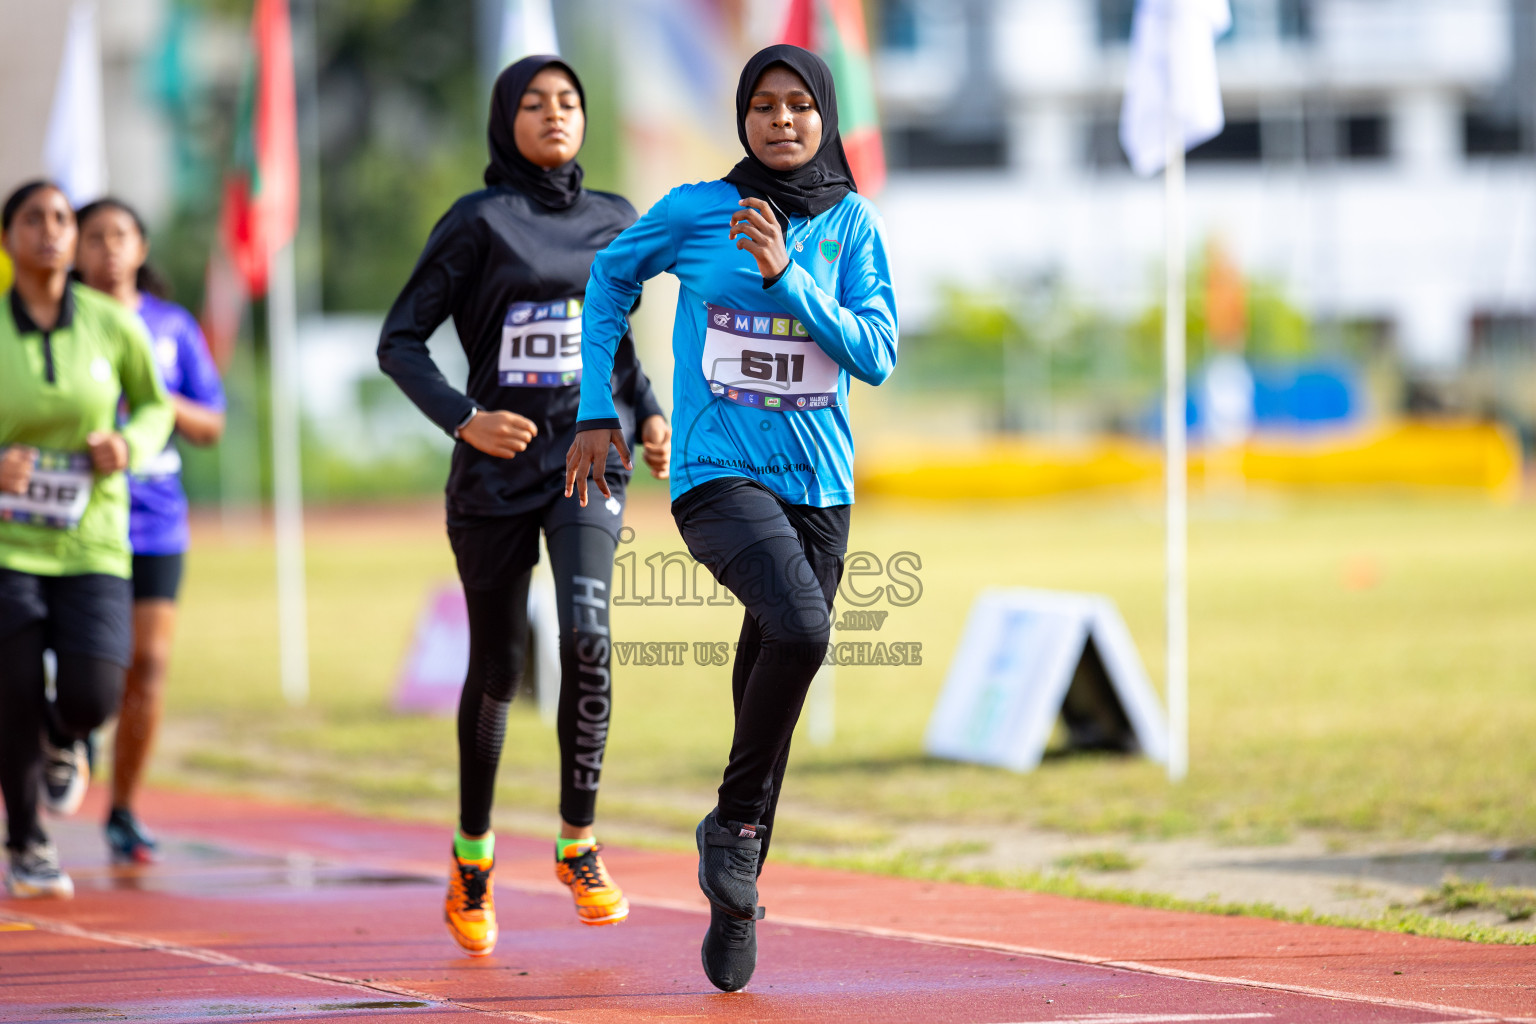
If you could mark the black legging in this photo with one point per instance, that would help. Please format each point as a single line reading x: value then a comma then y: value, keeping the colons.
x: 581, y: 559
x: 787, y: 586
x: 783, y: 562
x: 87, y: 691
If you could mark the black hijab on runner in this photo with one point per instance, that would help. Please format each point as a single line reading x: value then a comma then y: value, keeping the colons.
x: 557, y: 187
x: 821, y: 182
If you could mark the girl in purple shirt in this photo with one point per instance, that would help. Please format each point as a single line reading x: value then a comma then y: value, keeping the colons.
x: 112, y: 258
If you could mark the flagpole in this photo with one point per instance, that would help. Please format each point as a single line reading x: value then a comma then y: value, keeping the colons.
x: 287, y: 493
x: 1175, y: 465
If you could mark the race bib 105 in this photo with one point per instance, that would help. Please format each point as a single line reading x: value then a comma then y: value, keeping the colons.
x: 766, y: 361
x: 57, y: 493
x: 541, y: 345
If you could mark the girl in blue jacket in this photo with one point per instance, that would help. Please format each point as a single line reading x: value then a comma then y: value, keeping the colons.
x: 785, y: 296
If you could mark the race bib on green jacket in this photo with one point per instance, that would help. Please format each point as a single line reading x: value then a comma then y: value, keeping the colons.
x: 57, y: 493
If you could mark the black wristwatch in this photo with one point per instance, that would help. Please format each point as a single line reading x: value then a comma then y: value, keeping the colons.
x: 473, y: 412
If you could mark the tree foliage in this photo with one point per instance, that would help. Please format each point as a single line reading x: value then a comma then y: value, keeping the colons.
x: 401, y: 135
x: 1025, y: 346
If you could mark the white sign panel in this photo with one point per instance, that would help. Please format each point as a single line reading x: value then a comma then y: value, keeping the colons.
x: 1029, y: 657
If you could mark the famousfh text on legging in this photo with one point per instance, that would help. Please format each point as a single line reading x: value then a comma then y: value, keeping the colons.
x: 589, y: 606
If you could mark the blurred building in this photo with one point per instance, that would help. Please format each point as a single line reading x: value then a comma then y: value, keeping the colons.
x: 31, y: 48
x: 138, y: 136
x: 1377, y: 160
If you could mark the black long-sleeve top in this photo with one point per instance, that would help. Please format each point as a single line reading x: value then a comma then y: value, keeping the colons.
x: 494, y: 249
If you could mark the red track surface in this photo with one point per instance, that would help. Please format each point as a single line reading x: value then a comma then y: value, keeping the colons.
x: 281, y: 913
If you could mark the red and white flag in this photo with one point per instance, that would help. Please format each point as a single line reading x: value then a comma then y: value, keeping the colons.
x: 261, y: 191
x: 834, y: 30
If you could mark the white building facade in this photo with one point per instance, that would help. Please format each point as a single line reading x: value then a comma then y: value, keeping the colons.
x: 1377, y: 161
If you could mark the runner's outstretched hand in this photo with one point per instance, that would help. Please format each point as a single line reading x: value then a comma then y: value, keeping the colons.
x: 16, y: 469
x: 656, y: 436
x: 760, y: 235
x: 499, y: 432
x: 109, y: 452
x: 589, y: 454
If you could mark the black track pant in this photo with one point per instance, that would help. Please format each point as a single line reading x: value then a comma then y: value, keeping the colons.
x: 783, y: 562
x: 87, y: 692
x: 581, y: 559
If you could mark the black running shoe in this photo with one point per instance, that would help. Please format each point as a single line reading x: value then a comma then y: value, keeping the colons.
x: 65, y: 776
x: 729, y: 953
x: 128, y: 839
x: 728, y: 855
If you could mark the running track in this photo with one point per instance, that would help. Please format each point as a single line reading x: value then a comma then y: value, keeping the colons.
x: 269, y: 912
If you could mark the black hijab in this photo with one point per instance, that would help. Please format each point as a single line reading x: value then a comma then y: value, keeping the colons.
x: 558, y: 187
x: 821, y: 182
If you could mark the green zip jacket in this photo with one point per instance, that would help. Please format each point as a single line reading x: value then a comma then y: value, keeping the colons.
x: 58, y: 386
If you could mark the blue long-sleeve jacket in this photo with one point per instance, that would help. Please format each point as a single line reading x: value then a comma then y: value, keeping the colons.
x: 760, y: 386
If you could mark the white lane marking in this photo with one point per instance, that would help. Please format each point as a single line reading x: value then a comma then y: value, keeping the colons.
x: 1147, y: 1018
x: 1172, y: 1018
x: 210, y: 956
x: 1461, y: 1014
x: 1455, y: 1014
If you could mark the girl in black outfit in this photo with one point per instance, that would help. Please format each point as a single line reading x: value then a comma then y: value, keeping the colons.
x: 509, y: 264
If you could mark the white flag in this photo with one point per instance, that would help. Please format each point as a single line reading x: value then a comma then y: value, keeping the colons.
x: 75, y: 151
x: 1173, y: 42
x: 527, y: 27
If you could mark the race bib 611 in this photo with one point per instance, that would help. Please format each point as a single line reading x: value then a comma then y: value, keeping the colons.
x: 541, y: 345
x: 766, y: 361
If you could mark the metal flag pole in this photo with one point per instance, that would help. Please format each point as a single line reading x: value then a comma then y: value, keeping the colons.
x: 287, y: 493
x: 1175, y: 466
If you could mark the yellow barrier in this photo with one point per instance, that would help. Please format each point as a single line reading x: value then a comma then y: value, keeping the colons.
x: 1467, y: 456
x: 1477, y: 456
x: 1001, y: 468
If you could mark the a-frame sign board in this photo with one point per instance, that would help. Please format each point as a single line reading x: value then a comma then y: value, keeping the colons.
x: 1029, y: 657
x: 433, y: 671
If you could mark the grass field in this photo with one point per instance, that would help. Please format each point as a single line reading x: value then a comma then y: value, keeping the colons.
x: 1360, y: 667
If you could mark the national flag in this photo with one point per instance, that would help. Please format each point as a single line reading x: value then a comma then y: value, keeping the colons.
x: 527, y: 27
x: 261, y: 192
x: 834, y: 29
x: 74, y: 150
x: 1168, y: 35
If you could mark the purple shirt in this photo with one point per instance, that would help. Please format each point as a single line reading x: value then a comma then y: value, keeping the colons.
x: 157, y: 506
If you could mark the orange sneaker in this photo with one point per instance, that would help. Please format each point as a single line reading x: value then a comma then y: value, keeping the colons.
x: 598, y: 900
x: 470, y: 908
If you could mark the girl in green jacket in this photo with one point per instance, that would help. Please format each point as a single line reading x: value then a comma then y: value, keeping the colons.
x: 68, y: 355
